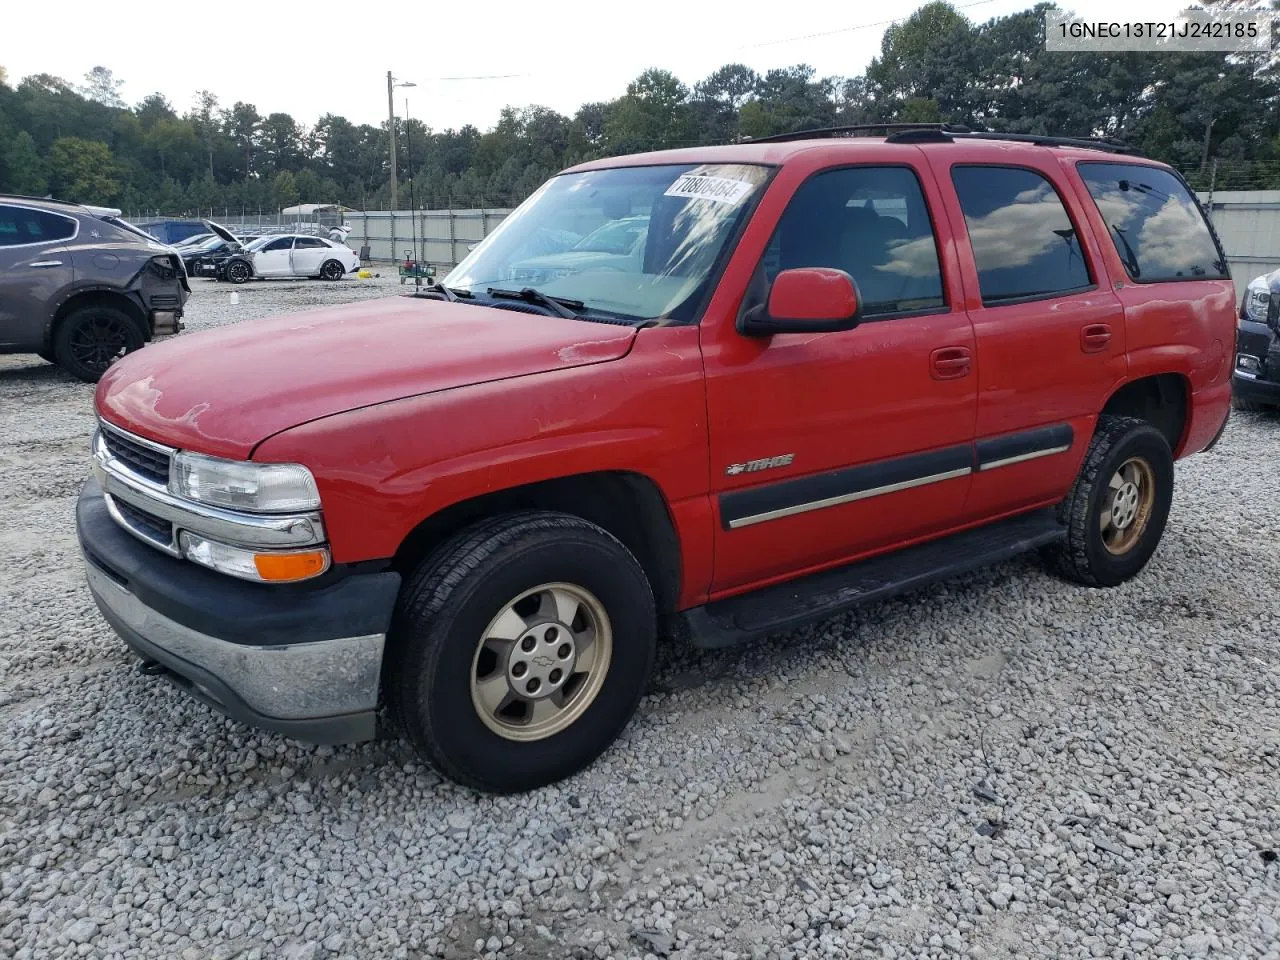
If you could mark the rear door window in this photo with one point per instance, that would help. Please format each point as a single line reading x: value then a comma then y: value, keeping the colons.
x: 1155, y: 223
x: 1024, y: 243
x: 22, y: 225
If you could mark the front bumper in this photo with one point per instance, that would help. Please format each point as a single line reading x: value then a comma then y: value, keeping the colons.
x: 300, y: 660
x: 1255, y: 389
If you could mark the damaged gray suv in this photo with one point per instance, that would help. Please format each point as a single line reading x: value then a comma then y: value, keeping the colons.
x: 80, y: 287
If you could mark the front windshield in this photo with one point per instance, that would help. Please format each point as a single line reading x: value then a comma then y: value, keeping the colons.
x: 638, y: 243
x: 617, y: 236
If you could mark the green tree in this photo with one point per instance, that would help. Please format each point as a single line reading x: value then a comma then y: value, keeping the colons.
x: 204, y: 120
x: 284, y: 190
x: 932, y: 55
x: 281, y: 140
x: 652, y: 115
x: 243, y: 123
x: 101, y: 86
x: 83, y: 171
x: 27, y: 173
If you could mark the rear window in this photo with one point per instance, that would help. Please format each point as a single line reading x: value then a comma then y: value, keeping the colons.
x: 21, y: 225
x: 1155, y: 223
x: 1024, y: 243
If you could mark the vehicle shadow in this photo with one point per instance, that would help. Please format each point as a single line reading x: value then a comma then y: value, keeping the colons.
x: 36, y: 371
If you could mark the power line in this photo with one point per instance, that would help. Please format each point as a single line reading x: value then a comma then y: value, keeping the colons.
x: 859, y: 26
x: 489, y: 76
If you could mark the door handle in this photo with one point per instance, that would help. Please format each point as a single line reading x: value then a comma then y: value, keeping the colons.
x: 1094, y: 337
x: 950, y: 363
x: 45, y: 263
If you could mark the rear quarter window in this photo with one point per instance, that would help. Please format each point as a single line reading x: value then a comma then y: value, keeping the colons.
x: 1154, y: 222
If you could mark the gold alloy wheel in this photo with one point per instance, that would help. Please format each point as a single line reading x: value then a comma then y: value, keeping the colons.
x: 1130, y: 499
x: 541, y: 662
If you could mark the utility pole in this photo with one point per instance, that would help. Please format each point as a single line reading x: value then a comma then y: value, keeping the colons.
x: 408, y: 147
x: 391, y: 132
x: 391, y: 129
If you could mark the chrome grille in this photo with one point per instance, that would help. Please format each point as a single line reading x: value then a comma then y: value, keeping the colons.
x: 146, y: 525
x: 143, y: 460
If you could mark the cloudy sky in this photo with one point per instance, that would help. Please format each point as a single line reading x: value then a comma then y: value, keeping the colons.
x: 323, y: 56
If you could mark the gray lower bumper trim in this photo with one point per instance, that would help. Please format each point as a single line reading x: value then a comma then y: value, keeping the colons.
x: 290, y: 684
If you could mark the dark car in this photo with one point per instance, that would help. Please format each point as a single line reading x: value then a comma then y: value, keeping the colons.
x: 212, y: 250
x: 81, y: 287
x: 1255, y: 381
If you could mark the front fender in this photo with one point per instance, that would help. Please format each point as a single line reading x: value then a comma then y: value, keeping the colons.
x: 384, y: 469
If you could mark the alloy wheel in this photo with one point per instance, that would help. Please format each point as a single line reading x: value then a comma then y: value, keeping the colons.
x: 1127, y: 506
x: 541, y: 662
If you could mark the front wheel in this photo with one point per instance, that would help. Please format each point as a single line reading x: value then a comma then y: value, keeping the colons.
x: 520, y: 649
x: 1116, y: 512
x: 332, y: 270
x: 237, y: 271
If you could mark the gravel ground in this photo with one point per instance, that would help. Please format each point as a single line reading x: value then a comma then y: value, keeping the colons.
x: 1003, y: 766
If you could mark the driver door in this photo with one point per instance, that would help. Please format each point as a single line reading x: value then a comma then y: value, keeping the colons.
x: 273, y: 260
x: 829, y: 446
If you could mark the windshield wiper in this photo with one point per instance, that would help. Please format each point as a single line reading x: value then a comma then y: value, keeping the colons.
x: 449, y: 294
x: 561, y: 306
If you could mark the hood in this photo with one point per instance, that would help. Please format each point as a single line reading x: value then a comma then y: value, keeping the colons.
x: 221, y: 231
x: 223, y: 392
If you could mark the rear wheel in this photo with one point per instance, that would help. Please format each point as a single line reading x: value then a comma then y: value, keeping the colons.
x: 520, y: 649
x: 1117, y: 509
x: 332, y: 270
x: 92, y: 338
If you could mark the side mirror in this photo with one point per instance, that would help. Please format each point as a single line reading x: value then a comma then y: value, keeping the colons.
x: 805, y: 300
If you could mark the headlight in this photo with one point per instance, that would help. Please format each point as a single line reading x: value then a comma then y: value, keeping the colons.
x: 1256, y: 305
x: 240, y: 485
x: 276, y: 566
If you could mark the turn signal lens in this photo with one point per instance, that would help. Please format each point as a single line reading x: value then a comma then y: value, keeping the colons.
x: 284, y: 567
x: 248, y: 564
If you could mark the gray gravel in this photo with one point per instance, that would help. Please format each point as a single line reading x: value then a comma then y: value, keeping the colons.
x: 1003, y: 766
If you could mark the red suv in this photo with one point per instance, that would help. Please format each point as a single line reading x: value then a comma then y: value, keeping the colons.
x: 838, y: 366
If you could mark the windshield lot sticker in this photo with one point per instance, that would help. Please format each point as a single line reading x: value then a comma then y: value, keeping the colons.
x: 719, y: 189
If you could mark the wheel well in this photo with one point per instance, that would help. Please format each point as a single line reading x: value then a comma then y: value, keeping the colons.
x: 628, y: 505
x: 1160, y: 400
x: 100, y: 298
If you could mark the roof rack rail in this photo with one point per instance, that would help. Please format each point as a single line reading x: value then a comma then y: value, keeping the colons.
x: 945, y: 133
x: 1108, y: 144
x: 856, y: 129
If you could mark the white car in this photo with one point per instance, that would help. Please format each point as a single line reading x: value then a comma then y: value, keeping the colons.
x: 286, y: 255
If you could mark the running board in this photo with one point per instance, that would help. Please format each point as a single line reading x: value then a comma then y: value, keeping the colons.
x: 819, y: 595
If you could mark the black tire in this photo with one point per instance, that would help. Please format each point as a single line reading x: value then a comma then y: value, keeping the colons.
x: 237, y: 271
x: 1084, y: 556
x: 1249, y: 406
x: 332, y: 270
x: 92, y: 338
x: 444, y: 610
